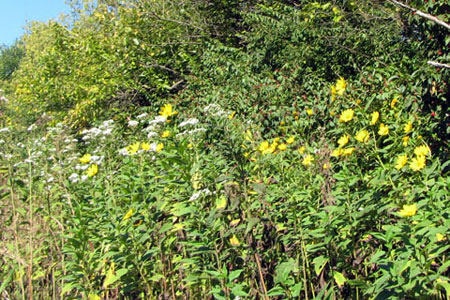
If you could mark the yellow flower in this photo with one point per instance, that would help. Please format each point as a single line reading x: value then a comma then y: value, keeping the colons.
x: 234, y: 241
x: 282, y: 123
x: 307, y: 160
x: 440, y: 237
x: 282, y: 147
x: 85, y: 158
x: 401, y: 161
x: 235, y: 222
x: 343, y: 140
x: 422, y: 150
x: 189, y: 146
x: 167, y: 111
x: 333, y: 93
x: 405, y: 141
x: 263, y: 146
x: 375, y: 117
x: 276, y: 140
x: 165, y: 134
x: 128, y: 214
x: 290, y: 140
x: 231, y: 115
x: 362, y: 136
x: 326, y: 166
x: 348, y: 151
x: 408, y: 210
x: 133, y: 148
x: 309, y: 111
x: 145, y: 146
x: 340, y: 86
x: 408, y: 127
x: 394, y: 102
x: 273, y: 147
x: 92, y: 170
x: 346, y: 116
x: 336, y: 152
x: 417, y: 163
x: 301, y: 150
x: 159, y: 147
x: 384, y: 130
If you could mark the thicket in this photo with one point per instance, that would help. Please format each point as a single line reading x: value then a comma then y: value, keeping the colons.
x: 157, y: 149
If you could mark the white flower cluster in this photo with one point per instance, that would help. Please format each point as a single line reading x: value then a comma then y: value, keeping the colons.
x: 6, y: 129
x: 133, y: 123
x: 57, y: 129
x: 204, y: 192
x: 191, y: 132
x: 102, y: 131
x: 192, y: 121
x: 215, y: 110
x: 32, y: 126
x: 153, y: 124
x: 74, y: 178
x: 141, y: 116
x: 4, y: 99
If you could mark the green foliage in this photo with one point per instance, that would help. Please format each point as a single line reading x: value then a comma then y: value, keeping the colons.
x: 111, y: 56
x: 10, y: 57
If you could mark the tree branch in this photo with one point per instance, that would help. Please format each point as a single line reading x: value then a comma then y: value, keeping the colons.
x: 175, y: 21
x: 438, y: 65
x: 422, y: 14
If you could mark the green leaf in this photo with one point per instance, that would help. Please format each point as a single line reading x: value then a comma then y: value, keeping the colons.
x: 221, y: 202
x: 94, y: 297
x: 339, y: 278
x: 156, y: 277
x: 319, y: 263
x: 444, y: 284
x: 260, y: 188
x: 67, y: 288
x: 238, y: 291
x: 234, y: 274
x: 376, y: 256
x: 6, y: 281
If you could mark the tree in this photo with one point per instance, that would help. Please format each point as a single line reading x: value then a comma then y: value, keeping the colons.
x: 10, y: 57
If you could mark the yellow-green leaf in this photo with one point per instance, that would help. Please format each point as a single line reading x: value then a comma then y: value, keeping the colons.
x: 221, y: 203
x: 339, y: 278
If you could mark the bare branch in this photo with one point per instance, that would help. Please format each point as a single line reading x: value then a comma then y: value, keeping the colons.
x: 422, y: 14
x: 438, y: 65
x: 176, y: 85
x: 161, y: 67
x: 175, y: 21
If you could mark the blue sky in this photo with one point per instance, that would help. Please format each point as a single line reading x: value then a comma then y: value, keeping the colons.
x: 14, y: 15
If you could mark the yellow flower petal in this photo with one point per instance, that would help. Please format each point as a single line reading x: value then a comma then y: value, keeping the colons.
x: 383, y: 130
x: 362, y: 136
x: 307, y: 160
x: 128, y: 214
x: 401, y: 161
x: 85, y: 158
x: 92, y: 170
x: 343, y: 140
x: 408, y: 210
x: 340, y: 86
x: 234, y: 241
x: 375, y: 117
x: 346, y: 116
